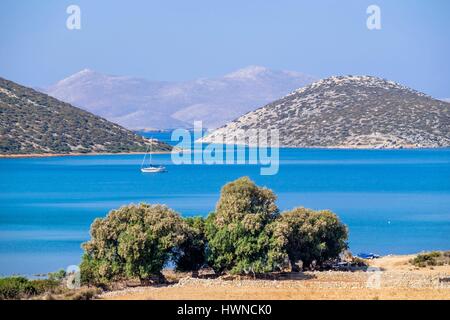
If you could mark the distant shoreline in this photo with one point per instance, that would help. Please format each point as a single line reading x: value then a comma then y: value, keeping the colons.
x: 347, y: 147
x: 408, y: 147
x: 51, y: 155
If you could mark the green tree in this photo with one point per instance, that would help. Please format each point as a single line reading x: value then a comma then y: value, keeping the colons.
x: 236, y: 232
x: 190, y: 254
x: 135, y: 241
x: 309, y: 236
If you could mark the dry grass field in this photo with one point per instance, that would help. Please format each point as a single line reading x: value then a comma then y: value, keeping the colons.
x: 393, y: 278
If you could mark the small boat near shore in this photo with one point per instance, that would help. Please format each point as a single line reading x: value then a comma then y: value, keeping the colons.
x: 151, y: 168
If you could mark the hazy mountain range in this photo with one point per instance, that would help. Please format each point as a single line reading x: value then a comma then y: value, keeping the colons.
x: 32, y: 122
x: 348, y: 112
x: 138, y: 103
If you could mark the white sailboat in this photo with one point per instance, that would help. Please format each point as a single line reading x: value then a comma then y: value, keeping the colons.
x: 150, y: 168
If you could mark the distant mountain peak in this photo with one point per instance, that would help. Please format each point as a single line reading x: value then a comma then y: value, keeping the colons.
x: 139, y: 103
x: 255, y: 72
x: 82, y: 74
x: 251, y: 71
x: 357, y: 80
x: 85, y: 70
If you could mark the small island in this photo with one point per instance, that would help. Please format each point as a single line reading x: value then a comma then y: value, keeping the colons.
x: 35, y: 124
x: 347, y: 112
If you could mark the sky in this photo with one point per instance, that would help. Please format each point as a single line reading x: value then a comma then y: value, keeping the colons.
x: 183, y: 40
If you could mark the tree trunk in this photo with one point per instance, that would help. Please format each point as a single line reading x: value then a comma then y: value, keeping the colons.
x: 294, y: 266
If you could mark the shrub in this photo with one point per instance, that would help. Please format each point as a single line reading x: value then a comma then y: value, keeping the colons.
x: 83, y: 294
x: 58, y: 275
x: 236, y: 232
x: 89, y: 271
x: 434, y: 258
x: 135, y: 241
x: 15, y: 288
x: 358, y: 262
x: 309, y: 236
x: 45, y: 285
x: 190, y: 254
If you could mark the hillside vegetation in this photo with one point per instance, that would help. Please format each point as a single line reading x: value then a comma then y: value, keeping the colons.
x: 33, y: 123
x: 349, y: 112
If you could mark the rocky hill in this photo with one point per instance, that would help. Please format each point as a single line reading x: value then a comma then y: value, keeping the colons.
x: 32, y: 122
x: 350, y: 112
x: 137, y: 103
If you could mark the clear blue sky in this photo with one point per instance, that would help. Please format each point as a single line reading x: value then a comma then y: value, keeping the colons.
x: 187, y: 39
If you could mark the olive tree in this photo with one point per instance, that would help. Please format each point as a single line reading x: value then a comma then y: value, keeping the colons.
x: 236, y: 231
x: 135, y: 241
x: 310, y: 236
x: 190, y: 253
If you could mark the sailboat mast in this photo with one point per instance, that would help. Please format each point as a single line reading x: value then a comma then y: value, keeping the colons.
x: 143, y: 160
x: 150, y: 168
x: 150, y: 154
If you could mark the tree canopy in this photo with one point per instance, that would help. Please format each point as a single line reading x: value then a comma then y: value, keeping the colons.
x: 310, y: 236
x: 245, y: 235
x: 236, y: 232
x: 133, y: 241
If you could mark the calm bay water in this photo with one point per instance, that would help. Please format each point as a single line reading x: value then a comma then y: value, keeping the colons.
x: 395, y: 201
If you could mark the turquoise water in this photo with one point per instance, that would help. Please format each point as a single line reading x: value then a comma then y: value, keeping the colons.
x: 393, y: 201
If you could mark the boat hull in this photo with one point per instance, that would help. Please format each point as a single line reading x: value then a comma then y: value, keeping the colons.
x: 153, y: 169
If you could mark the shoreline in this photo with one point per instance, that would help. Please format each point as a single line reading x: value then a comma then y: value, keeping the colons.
x: 335, y: 147
x: 51, y: 155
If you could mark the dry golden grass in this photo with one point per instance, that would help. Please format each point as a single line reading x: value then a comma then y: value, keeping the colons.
x: 399, y: 280
x: 248, y: 293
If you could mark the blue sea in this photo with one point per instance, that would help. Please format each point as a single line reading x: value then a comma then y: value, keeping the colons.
x: 393, y: 201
